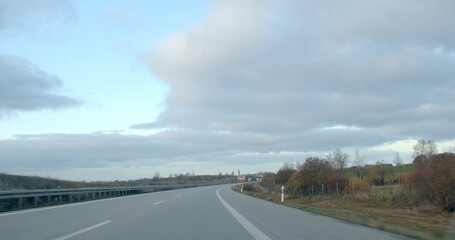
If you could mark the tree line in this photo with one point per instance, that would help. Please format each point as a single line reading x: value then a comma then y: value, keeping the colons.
x: 429, y: 179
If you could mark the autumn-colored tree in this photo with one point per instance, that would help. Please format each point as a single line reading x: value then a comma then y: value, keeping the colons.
x: 296, y: 182
x: 420, y: 183
x: 268, y: 181
x: 443, y: 177
x: 434, y: 182
x: 315, y: 174
x: 285, y: 173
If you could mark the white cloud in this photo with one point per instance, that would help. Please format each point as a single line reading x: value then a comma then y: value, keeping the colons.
x: 250, y: 68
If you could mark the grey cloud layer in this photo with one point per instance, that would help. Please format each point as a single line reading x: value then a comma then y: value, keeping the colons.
x: 63, y: 151
x: 25, y: 87
x: 51, y: 152
x: 288, y: 69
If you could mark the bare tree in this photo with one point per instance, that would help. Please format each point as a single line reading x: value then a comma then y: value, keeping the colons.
x: 397, y: 160
x: 424, y: 151
x: 419, y: 148
x: 425, y: 147
x: 432, y: 149
x: 398, y: 163
x: 339, y: 160
x: 358, y: 161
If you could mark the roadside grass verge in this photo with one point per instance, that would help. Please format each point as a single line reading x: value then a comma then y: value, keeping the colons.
x: 420, y: 222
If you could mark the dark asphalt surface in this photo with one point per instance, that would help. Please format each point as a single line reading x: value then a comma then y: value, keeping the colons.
x: 196, y: 213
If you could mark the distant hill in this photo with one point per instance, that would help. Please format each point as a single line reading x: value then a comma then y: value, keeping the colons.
x: 17, y: 182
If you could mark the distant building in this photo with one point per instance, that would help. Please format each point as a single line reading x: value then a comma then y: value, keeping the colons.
x: 387, y: 165
x: 249, y: 178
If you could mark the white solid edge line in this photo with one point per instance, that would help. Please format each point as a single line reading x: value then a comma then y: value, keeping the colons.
x: 253, y: 230
x: 83, y: 230
x: 158, y: 202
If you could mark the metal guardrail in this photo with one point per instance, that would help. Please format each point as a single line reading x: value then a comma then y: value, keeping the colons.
x: 13, y: 200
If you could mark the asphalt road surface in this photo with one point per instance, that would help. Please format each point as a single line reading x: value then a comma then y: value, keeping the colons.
x: 214, y: 212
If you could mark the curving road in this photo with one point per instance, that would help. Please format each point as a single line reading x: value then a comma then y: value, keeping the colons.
x: 214, y: 212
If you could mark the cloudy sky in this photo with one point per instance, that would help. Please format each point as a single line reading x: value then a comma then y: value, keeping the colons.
x: 105, y: 90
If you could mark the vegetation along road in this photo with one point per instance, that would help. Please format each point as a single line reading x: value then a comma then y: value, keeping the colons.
x: 416, y: 199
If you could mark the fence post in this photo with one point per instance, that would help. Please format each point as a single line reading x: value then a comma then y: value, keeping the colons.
x: 337, y: 189
x: 353, y: 189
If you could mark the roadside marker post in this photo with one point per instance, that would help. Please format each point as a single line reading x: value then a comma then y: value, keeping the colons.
x: 282, y: 193
x: 241, y: 188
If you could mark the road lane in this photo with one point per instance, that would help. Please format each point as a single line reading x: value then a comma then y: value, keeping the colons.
x: 195, y: 213
x: 251, y: 228
x: 282, y: 222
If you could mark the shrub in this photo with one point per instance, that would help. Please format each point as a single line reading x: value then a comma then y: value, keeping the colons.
x: 434, y: 182
x: 358, y: 188
x: 341, y: 181
x: 249, y: 188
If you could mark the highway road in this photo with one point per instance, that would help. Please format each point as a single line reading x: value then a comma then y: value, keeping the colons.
x: 214, y: 212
